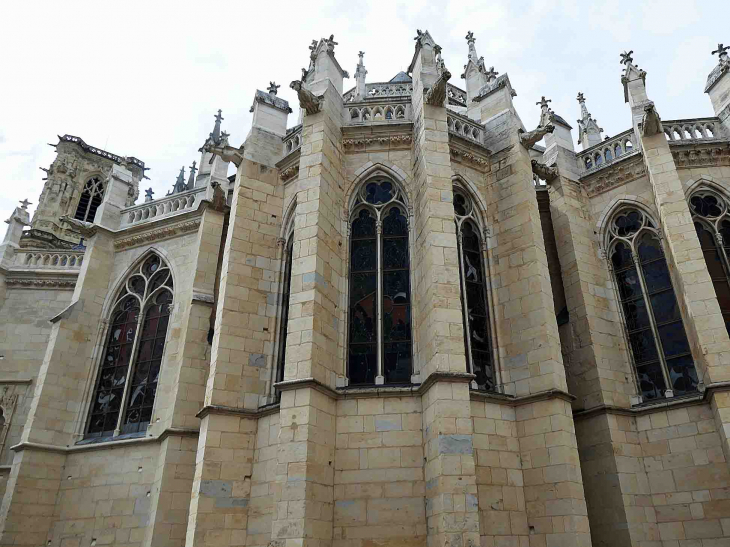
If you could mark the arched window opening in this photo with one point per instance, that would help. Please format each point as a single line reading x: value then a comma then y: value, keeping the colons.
x: 710, y: 131
x: 628, y: 146
x: 388, y: 113
x: 659, y: 346
x: 598, y: 159
x: 711, y: 214
x: 474, y: 301
x: 617, y: 150
x: 286, y: 291
x: 608, y: 155
x: 589, y: 163
x: 90, y: 200
x: 127, y: 380
x: 380, y: 340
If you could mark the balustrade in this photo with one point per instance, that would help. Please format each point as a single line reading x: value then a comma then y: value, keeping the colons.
x: 600, y: 155
x: 167, y: 206
x: 381, y: 89
x: 56, y: 260
x: 700, y: 129
x: 293, y: 140
x: 465, y: 127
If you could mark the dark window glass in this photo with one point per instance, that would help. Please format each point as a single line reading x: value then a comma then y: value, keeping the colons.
x: 147, y: 367
x: 90, y: 200
x: 286, y: 291
x: 712, y: 253
x: 363, y: 300
x: 107, y: 399
x: 396, y: 298
x: 474, y: 304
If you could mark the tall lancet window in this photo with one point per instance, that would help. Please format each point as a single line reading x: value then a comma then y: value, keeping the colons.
x: 380, y: 342
x: 90, y: 200
x: 659, y: 346
x: 130, y: 367
x: 474, y: 300
x: 285, y: 292
x: 711, y: 214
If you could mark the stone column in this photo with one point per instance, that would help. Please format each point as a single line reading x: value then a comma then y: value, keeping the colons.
x: 17, y: 221
x: 237, y: 378
x: 451, y: 502
x: 304, y: 501
x: 188, y: 349
x: 29, y: 503
x: 695, y: 292
x: 527, y: 335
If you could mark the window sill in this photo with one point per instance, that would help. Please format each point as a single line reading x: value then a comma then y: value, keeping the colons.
x: 111, y: 438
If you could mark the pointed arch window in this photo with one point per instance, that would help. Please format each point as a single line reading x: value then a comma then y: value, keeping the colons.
x: 380, y: 340
x: 711, y: 215
x: 474, y: 298
x: 90, y: 200
x: 127, y: 380
x: 285, y: 293
x: 656, y: 335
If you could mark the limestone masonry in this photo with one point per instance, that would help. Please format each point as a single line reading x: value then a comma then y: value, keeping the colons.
x: 402, y: 322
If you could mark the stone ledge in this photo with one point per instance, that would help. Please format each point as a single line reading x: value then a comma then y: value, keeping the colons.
x: 233, y: 411
x: 40, y: 447
x: 522, y: 400
x: 699, y: 398
x: 16, y: 381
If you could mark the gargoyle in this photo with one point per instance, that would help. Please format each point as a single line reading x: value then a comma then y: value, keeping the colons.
x: 651, y: 124
x: 86, y: 229
x: 548, y: 174
x: 436, y: 96
x: 226, y: 152
x: 531, y: 137
x: 218, y: 203
x: 307, y: 100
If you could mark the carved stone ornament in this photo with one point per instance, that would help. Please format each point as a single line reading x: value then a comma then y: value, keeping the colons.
x: 157, y: 234
x: 308, y: 101
x: 35, y: 283
x: 226, y: 153
x: 436, y: 95
x: 548, y: 174
x: 711, y: 156
x: 218, y: 203
x: 289, y: 172
x: 464, y: 156
x: 384, y: 140
x: 531, y: 137
x: 86, y: 229
x: 618, y: 175
x: 651, y: 124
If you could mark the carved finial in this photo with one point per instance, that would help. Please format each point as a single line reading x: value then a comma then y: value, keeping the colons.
x: 581, y: 98
x: 304, y: 74
x: 24, y: 204
x: 313, y: 46
x: 148, y: 195
x: 491, y: 74
x: 216, y: 134
x: 470, y: 37
x: 191, y: 178
x: 544, y: 102
x: 418, y: 34
x: 721, y: 51
x: 361, y: 54
x: 626, y: 57
x: 331, y: 43
x: 273, y: 88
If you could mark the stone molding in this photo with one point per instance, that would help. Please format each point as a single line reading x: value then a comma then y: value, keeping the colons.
x: 156, y: 234
x: 461, y: 154
x: 699, y: 156
x: 397, y: 140
x: 289, y: 172
x: 35, y: 283
x: 612, y: 178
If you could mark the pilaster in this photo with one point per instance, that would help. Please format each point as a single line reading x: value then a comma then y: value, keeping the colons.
x: 28, y: 505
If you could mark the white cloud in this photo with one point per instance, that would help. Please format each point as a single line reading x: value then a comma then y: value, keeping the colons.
x: 145, y: 78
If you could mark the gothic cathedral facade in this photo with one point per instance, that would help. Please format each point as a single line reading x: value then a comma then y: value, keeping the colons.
x: 402, y: 322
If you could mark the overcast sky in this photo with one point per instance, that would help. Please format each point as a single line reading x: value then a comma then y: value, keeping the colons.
x: 145, y: 79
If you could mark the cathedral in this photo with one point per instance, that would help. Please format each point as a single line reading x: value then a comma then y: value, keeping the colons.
x: 406, y: 320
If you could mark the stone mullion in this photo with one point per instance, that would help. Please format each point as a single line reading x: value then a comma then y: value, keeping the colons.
x: 380, y: 378
x: 130, y: 368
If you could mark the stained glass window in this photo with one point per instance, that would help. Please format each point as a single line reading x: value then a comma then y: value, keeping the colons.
x: 286, y: 291
x: 90, y: 200
x: 712, y: 222
x: 380, y: 343
x: 130, y: 368
x: 477, y: 339
x: 653, y: 323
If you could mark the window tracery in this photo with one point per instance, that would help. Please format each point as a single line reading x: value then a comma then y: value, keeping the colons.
x: 711, y: 215
x: 380, y: 339
x: 127, y: 380
x: 656, y: 335
x: 475, y: 303
x: 90, y: 200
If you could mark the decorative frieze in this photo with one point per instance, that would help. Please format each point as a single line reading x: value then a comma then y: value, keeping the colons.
x: 463, y: 155
x: 34, y: 283
x: 396, y: 140
x: 611, y: 178
x: 715, y: 156
x: 289, y: 172
x: 156, y: 234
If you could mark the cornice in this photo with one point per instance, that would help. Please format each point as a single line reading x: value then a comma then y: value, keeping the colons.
x: 614, y: 176
x: 378, y: 140
x: 156, y: 233
x: 42, y: 283
x: 468, y: 154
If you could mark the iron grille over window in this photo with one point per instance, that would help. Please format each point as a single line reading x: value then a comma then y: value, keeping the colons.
x: 474, y: 301
x: 130, y: 368
x: 90, y: 200
x: 380, y: 343
x: 656, y: 335
x: 712, y: 222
